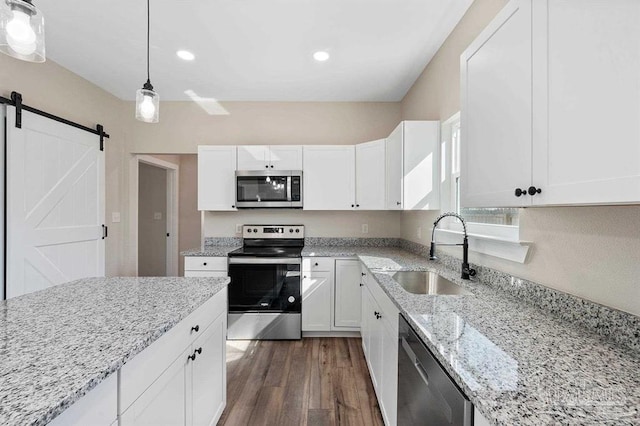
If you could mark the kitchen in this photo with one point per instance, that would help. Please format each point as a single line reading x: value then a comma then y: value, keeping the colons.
x: 587, y: 251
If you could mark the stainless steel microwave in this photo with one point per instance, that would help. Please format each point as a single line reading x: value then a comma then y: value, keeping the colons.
x: 269, y: 189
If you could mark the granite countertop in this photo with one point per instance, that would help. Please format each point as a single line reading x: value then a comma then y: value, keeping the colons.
x: 210, y: 251
x: 517, y: 363
x: 59, y: 343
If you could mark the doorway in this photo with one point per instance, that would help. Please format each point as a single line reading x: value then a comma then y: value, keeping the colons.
x: 154, y: 223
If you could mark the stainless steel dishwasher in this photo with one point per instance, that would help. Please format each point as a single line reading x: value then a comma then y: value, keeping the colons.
x: 426, y: 394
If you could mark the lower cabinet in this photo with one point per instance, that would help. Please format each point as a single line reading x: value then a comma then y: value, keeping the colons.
x: 379, y: 330
x: 98, y: 407
x: 330, y: 294
x: 192, y: 390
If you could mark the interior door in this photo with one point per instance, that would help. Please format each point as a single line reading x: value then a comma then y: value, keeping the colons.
x: 55, y: 204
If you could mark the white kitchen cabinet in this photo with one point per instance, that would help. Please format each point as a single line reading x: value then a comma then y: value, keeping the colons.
x: 98, y: 407
x: 181, y: 378
x: 208, y: 374
x: 479, y: 419
x: 380, y: 345
x: 532, y: 119
x: 370, y: 175
x: 329, y: 177
x: 347, y: 294
x: 216, y: 177
x: 205, y: 266
x: 412, y: 161
x: 274, y: 157
x: 165, y: 401
x: 316, y: 301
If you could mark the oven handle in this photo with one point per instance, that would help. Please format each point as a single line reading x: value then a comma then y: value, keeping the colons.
x: 265, y: 261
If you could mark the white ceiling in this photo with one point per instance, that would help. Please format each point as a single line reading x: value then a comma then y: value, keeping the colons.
x: 251, y: 50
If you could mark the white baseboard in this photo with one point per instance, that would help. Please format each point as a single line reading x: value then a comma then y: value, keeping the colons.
x: 331, y: 334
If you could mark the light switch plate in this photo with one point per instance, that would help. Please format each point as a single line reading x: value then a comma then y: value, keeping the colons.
x: 419, y: 232
x: 238, y: 228
x: 115, y: 217
x: 365, y: 228
x: 157, y: 216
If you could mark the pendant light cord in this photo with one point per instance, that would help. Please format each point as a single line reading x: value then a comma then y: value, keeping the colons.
x: 148, y: 31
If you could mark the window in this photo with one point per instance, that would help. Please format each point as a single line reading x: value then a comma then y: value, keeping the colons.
x: 476, y: 217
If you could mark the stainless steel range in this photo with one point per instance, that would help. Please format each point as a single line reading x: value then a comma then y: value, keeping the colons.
x: 265, y: 290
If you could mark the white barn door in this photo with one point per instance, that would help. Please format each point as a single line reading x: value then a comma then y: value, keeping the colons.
x: 55, y: 204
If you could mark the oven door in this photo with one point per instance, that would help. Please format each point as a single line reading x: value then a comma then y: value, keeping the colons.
x: 263, y: 189
x: 264, y: 284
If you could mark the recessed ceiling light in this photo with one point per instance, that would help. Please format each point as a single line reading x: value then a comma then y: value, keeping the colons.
x: 185, y: 55
x: 321, y: 56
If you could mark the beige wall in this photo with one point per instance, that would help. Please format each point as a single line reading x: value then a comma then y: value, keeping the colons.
x: 592, y: 252
x: 190, y: 217
x: 54, y: 89
x: 152, y: 240
x: 317, y: 224
x: 184, y: 125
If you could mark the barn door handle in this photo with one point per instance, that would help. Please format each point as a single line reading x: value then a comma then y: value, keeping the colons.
x: 105, y: 231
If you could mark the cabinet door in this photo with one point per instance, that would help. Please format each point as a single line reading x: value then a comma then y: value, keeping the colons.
x: 347, y: 294
x: 216, y: 177
x: 329, y: 177
x: 370, y: 175
x: 389, y: 373
x: 209, y: 384
x: 587, y: 100
x: 285, y: 157
x: 165, y: 401
x: 365, y: 320
x: 496, y: 123
x: 253, y: 157
x: 98, y: 407
x: 421, y: 165
x: 375, y: 345
x: 316, y: 301
x: 393, y: 165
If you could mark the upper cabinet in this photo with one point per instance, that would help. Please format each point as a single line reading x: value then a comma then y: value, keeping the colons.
x: 274, y: 157
x: 370, y: 176
x: 412, y: 163
x: 216, y: 177
x: 536, y: 130
x: 329, y: 177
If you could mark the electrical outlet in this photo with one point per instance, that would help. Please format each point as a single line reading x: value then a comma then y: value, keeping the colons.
x: 238, y: 228
x: 157, y: 216
x: 365, y: 228
x: 419, y: 233
x: 115, y: 217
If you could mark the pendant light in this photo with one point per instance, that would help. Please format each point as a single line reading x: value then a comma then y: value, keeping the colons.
x: 21, y: 30
x: 147, y: 100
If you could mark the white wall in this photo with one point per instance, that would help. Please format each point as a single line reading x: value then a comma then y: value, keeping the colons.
x: 592, y: 252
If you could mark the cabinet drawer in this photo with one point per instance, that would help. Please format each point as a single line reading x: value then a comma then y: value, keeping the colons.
x: 141, y: 371
x: 317, y: 264
x: 202, y: 263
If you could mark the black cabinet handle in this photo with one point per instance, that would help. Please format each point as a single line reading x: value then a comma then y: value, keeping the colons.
x: 398, y: 203
x: 233, y: 207
x: 316, y: 264
x: 533, y: 190
x: 352, y: 205
x: 363, y: 274
x: 519, y: 192
x: 196, y: 328
x: 204, y: 264
x: 272, y: 166
x: 192, y: 357
x: 305, y: 277
x: 357, y: 205
x: 266, y: 167
x: 199, y: 350
x: 361, y: 285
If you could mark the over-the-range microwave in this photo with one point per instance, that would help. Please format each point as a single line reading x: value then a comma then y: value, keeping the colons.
x: 268, y: 189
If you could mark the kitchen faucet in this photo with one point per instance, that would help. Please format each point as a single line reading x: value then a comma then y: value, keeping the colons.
x: 467, y: 272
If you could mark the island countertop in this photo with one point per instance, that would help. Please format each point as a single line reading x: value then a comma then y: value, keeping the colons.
x: 517, y: 363
x: 58, y: 344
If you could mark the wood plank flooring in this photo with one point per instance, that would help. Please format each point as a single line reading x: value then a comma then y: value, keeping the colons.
x: 314, y: 381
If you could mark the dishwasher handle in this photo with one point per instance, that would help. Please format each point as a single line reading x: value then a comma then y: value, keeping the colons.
x: 415, y: 361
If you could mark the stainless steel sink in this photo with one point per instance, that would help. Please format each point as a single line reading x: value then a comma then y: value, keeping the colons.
x: 421, y: 282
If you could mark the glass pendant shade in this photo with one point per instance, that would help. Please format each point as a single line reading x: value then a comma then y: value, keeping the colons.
x: 147, y: 105
x: 21, y: 30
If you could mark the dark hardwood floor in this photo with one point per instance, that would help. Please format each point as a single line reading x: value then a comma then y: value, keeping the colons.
x: 314, y: 381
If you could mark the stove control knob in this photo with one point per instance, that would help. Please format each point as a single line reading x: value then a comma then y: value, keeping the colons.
x: 249, y: 230
x: 255, y: 230
x: 291, y: 299
x: 297, y: 230
x: 291, y: 230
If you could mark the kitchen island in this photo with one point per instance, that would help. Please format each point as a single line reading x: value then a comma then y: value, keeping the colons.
x: 58, y: 344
